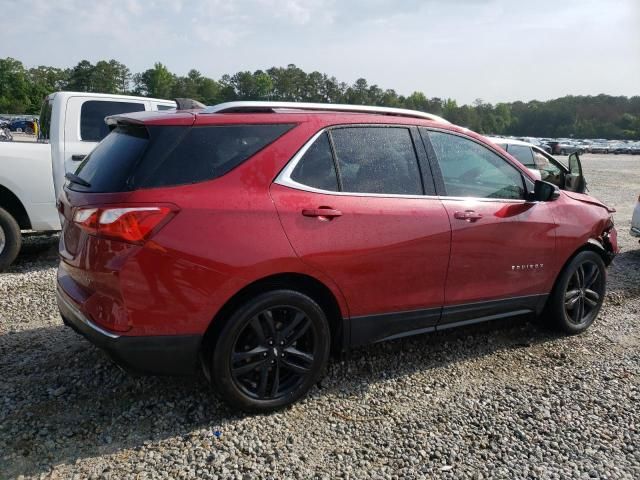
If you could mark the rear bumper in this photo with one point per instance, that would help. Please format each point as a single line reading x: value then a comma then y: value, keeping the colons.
x: 157, y: 355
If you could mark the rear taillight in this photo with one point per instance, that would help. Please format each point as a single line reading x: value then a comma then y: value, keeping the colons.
x: 128, y: 224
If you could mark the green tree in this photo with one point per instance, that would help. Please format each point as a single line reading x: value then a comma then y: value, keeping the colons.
x: 81, y: 77
x: 14, y: 87
x: 156, y: 82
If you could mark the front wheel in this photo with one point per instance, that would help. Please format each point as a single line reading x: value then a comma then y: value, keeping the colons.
x: 271, y: 351
x: 578, y: 294
x: 10, y: 239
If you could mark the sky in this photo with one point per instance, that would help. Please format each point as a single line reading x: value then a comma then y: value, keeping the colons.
x: 495, y: 50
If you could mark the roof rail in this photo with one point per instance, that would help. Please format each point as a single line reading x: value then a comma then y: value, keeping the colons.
x: 250, y: 106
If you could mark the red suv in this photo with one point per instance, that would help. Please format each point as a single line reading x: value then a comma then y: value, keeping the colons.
x: 252, y: 238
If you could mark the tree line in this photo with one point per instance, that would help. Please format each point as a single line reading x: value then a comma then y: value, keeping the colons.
x: 603, y: 116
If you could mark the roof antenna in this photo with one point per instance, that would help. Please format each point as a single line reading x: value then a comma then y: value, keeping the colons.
x: 188, y: 104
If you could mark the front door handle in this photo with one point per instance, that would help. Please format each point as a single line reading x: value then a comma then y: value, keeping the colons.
x: 322, y: 213
x: 468, y: 215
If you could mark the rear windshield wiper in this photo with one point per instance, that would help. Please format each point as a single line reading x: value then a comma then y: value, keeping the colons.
x: 73, y: 178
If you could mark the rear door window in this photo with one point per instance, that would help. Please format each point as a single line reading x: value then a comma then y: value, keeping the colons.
x: 377, y: 160
x: 92, y: 114
x: 316, y: 167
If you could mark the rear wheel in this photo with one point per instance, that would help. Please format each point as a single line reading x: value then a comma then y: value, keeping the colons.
x: 578, y: 294
x: 271, y: 351
x: 10, y: 239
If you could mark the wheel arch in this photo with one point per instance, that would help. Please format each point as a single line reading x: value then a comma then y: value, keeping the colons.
x: 299, y: 282
x: 12, y: 204
x: 591, y: 245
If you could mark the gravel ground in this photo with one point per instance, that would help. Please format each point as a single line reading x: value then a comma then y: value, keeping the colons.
x: 507, y: 400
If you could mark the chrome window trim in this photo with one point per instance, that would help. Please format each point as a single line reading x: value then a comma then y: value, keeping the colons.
x: 284, y: 179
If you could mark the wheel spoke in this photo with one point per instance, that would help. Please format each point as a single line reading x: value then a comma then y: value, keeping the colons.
x: 592, y: 294
x: 592, y: 277
x: 580, y: 276
x: 571, y: 303
x: 257, y: 327
x: 267, y: 316
x: 299, y: 332
x: 580, y: 310
x: 249, y: 354
x: 248, y: 367
x: 276, y: 380
x: 294, y: 367
x: 590, y: 302
x: 264, y: 378
x: 299, y: 317
x: 306, y: 359
x: 571, y: 294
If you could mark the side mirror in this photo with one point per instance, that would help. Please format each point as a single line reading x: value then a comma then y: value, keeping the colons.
x: 544, y: 192
x: 574, y: 181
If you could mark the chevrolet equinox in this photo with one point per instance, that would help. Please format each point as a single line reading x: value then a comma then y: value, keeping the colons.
x: 251, y: 239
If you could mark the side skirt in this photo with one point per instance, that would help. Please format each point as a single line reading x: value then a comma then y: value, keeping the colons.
x: 388, y: 326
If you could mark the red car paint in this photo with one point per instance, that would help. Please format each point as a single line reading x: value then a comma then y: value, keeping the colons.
x: 382, y: 255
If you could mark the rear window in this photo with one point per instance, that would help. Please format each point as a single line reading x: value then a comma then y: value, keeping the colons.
x: 45, y: 120
x: 134, y: 157
x: 107, y: 167
x: 92, y: 125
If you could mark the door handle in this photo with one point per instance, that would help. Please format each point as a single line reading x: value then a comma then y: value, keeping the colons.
x: 322, y: 213
x: 468, y: 215
x: 77, y: 158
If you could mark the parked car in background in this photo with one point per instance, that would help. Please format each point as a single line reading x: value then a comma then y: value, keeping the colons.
x: 600, y: 148
x: 538, y: 160
x: 635, y: 220
x: 20, y: 126
x: 71, y: 125
x: 251, y: 238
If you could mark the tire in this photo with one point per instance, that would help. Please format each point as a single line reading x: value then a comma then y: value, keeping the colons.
x: 280, y: 341
x: 10, y: 239
x: 577, y: 288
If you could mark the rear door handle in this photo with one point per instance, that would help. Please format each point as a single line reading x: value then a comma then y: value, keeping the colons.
x: 323, y: 213
x: 468, y: 215
x: 77, y: 158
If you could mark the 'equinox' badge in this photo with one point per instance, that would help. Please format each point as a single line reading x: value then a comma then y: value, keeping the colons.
x: 531, y: 266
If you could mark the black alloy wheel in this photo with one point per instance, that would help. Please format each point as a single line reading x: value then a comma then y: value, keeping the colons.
x: 578, y: 294
x: 271, y: 351
x: 274, y: 353
x: 584, y: 292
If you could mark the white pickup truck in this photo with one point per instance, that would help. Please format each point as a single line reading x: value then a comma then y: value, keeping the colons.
x: 32, y: 173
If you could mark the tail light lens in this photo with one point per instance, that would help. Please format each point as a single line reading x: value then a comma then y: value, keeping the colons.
x: 127, y: 224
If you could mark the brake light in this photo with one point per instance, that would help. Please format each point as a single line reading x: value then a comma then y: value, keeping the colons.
x: 128, y: 224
